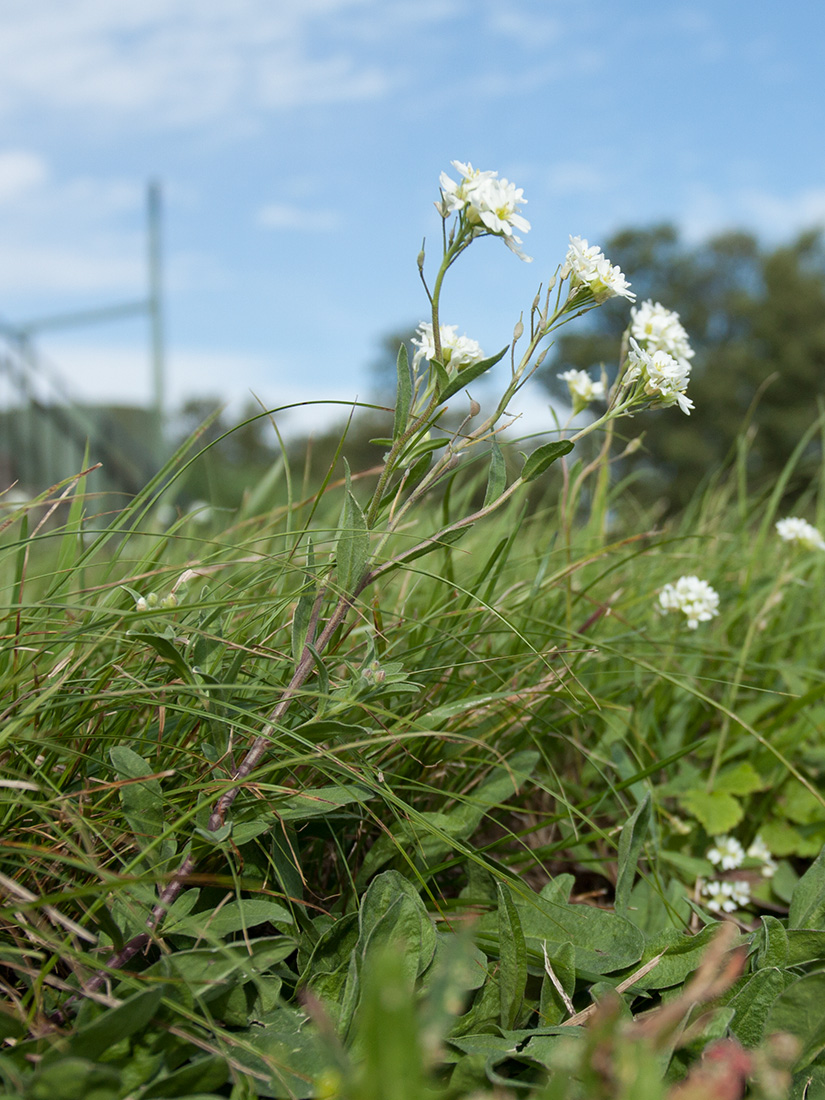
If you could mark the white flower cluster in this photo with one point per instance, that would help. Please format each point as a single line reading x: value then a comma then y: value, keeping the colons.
x: 457, y: 351
x: 726, y: 853
x: 761, y: 852
x: 658, y: 329
x: 588, y: 266
x: 726, y: 897
x: 489, y: 204
x: 660, y: 376
x: 582, y: 388
x: 693, y: 597
x: 800, y: 531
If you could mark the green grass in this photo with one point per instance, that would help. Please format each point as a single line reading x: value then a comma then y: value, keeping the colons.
x: 491, y: 729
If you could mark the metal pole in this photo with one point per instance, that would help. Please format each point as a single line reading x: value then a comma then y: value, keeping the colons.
x: 153, y: 197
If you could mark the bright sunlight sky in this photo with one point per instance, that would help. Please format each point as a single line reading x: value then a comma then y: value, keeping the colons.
x: 299, y: 145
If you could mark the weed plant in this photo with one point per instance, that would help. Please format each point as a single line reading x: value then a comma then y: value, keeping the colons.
x: 459, y: 778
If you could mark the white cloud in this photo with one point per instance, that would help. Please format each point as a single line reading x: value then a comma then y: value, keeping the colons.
x: 285, y: 215
x: 20, y: 172
x: 178, y: 62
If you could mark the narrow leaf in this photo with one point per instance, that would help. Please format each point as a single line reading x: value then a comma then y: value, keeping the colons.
x: 403, y: 392
x: 497, y: 477
x: 513, y: 965
x: 353, y: 548
x: 469, y: 374
x: 630, y: 845
x: 543, y: 457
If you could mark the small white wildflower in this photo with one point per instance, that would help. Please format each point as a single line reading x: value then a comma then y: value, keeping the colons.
x: 582, y: 388
x: 793, y: 529
x: 659, y: 329
x: 759, y: 850
x: 588, y: 266
x: 726, y: 897
x: 726, y: 853
x: 457, y: 351
x: 693, y: 597
x: 489, y: 204
x: 141, y: 604
x: 660, y: 376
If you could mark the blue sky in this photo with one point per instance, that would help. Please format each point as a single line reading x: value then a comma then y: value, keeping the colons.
x: 299, y: 145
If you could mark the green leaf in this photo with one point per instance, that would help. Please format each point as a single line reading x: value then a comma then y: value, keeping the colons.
x: 808, y: 900
x: 201, y: 1075
x: 442, y: 379
x: 513, y: 958
x: 742, y: 779
x: 682, y: 955
x: 132, y: 1015
x: 716, y: 811
x: 552, y: 1008
x: 403, y: 392
x: 799, y: 1010
x: 752, y: 1004
x: 631, y: 839
x: 303, y: 609
x: 392, y: 914
x: 353, y: 548
x: 167, y: 651
x: 543, y: 457
x: 388, y: 1031
x: 142, y: 802
x: 469, y: 374
x: 317, y: 801
x: 772, y: 943
x: 497, y: 477
x: 235, y: 916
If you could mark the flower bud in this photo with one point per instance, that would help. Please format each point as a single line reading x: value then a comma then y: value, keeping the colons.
x: 518, y: 331
x: 152, y: 599
x: 475, y: 408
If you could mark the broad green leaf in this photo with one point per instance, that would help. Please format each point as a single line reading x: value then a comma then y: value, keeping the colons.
x: 132, y: 1015
x: 544, y: 457
x: 469, y: 374
x: 142, y: 802
x: 682, y: 955
x: 497, y: 477
x: 393, y: 914
x: 562, y: 960
x: 512, y: 971
x: 772, y: 945
x: 808, y: 900
x: 799, y: 1010
x: 317, y: 801
x: 201, y: 1075
x: 403, y: 392
x: 716, y: 811
x: 741, y: 779
x: 631, y: 839
x: 235, y: 916
x: 753, y: 1002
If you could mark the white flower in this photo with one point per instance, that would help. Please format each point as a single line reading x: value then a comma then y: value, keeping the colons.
x: 141, y: 604
x: 726, y: 853
x: 589, y: 267
x: 695, y: 598
x: 660, y: 375
x: 726, y: 897
x: 797, y: 530
x: 489, y: 204
x: 582, y: 388
x: 759, y: 850
x: 457, y: 351
x: 658, y: 329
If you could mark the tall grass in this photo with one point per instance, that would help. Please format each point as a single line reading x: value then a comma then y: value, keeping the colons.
x: 490, y: 728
